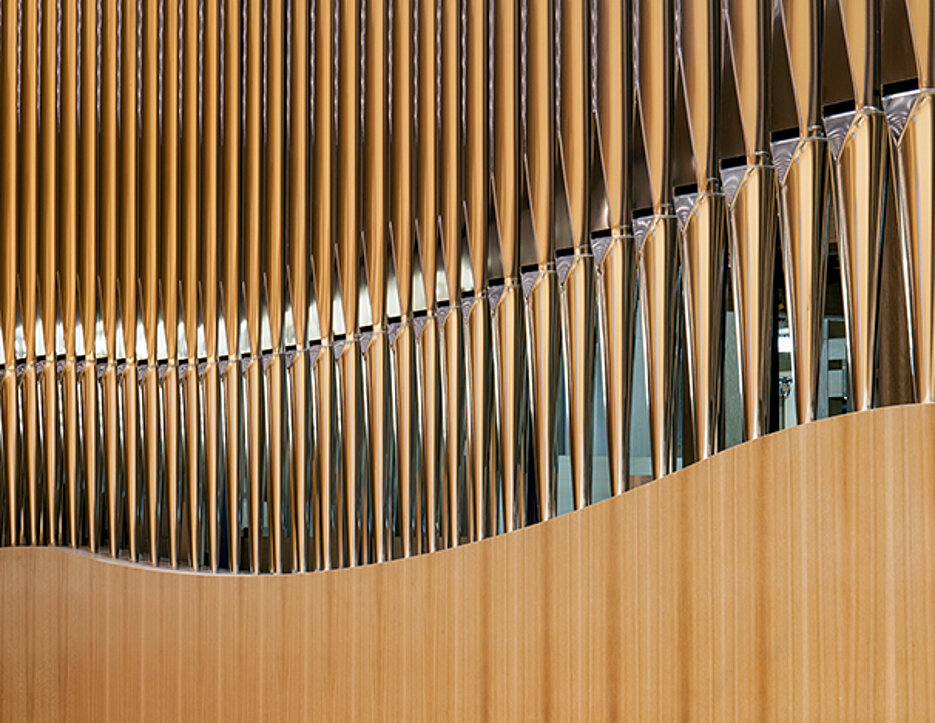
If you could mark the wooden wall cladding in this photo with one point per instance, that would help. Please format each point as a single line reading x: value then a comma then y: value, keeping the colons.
x: 792, y: 578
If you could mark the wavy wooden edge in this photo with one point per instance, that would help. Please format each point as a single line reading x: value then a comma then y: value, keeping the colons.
x: 791, y: 576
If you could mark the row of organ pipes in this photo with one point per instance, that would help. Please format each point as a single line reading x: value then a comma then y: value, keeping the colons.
x: 248, y: 318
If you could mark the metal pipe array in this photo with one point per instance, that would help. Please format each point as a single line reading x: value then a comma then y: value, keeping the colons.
x: 291, y: 286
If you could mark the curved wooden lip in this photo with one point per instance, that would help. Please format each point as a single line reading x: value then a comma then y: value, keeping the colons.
x: 792, y: 577
x: 697, y: 468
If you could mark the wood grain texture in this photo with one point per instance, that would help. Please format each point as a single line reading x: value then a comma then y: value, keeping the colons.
x: 790, y: 578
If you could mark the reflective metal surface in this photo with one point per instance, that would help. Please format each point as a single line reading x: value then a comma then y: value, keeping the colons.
x: 614, y: 126
x: 805, y: 197
x: 753, y: 211
x: 293, y: 286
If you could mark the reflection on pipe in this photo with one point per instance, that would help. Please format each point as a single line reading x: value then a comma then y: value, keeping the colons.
x: 915, y: 162
x: 425, y: 231
x: 704, y: 236
x: 616, y: 300
x: 578, y: 292
x: 350, y: 367
x: 404, y: 354
x: 252, y: 245
x: 508, y: 313
x: 658, y: 260
x: 190, y: 245
x: 543, y: 299
x: 9, y: 244
x: 322, y: 245
x: 149, y: 272
x: 230, y: 284
x: 806, y: 204
x: 374, y: 197
x: 208, y: 280
x: 298, y: 283
x: 480, y: 386
x: 107, y: 247
x: 450, y: 231
x: 170, y: 276
x: 68, y: 230
x: 861, y: 171
x: 48, y: 247
x: 753, y: 212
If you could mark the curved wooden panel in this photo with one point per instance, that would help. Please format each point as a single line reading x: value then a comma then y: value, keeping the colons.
x: 791, y: 577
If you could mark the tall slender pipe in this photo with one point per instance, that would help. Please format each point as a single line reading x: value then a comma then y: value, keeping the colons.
x: 915, y: 162
x: 87, y: 282
x: 28, y: 258
x: 862, y: 169
x: 658, y: 255
x: 704, y: 236
x: 374, y: 209
x: 578, y: 292
x: 68, y: 273
x: 297, y: 201
x: 322, y: 249
x: 107, y: 251
x: 449, y: 180
x: 508, y: 321
x: 617, y: 279
x: 208, y: 276
x: 753, y: 211
x: 169, y: 276
x: 9, y: 216
x: 190, y: 243
x: 427, y: 237
x: 543, y: 300
x: 478, y: 321
x: 273, y: 282
x: 149, y: 271
x: 128, y: 265
x: 401, y: 220
x: 48, y: 253
x: 230, y: 283
x: 350, y: 363
x: 252, y: 280
x: 805, y: 203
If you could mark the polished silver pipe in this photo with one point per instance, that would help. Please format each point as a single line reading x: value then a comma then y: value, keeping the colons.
x: 617, y: 272
x: 753, y: 211
x: 479, y: 336
x: 704, y: 235
x: 805, y: 204
x: 542, y: 304
x: 915, y: 184
x: 347, y: 229
x: 449, y: 227
x: 401, y: 222
x: 508, y: 314
x: 579, y: 286
x: 374, y: 211
x: 426, y: 232
x: 658, y: 255
x: 327, y: 442
x: 862, y: 167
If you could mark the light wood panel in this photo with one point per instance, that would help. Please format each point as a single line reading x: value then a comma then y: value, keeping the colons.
x: 790, y: 578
